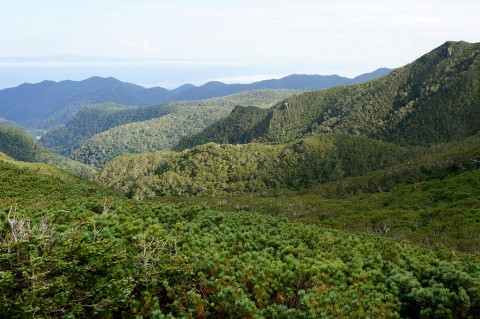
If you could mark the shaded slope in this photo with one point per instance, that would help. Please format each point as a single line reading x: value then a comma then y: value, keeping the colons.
x: 22, y: 147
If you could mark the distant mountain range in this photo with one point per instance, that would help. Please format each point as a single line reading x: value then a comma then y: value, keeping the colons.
x: 97, y: 118
x: 47, y: 104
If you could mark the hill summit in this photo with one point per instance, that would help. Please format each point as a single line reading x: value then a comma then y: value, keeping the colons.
x: 48, y: 104
x: 433, y: 99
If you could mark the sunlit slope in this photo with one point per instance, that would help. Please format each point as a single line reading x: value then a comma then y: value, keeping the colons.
x: 433, y: 99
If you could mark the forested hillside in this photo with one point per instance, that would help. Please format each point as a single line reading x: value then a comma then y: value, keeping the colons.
x: 361, y: 201
x: 102, y: 117
x: 214, y: 169
x: 95, y: 119
x: 429, y: 196
x: 433, y: 99
x: 17, y: 144
x: 161, y: 133
x: 72, y: 249
x: 45, y: 105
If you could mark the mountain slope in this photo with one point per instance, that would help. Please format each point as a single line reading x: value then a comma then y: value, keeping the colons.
x: 29, y: 104
x: 19, y: 145
x: 213, y: 169
x: 433, y: 99
x: 95, y: 119
x: 432, y: 198
x: 428, y: 196
x: 161, y: 133
x: 48, y: 104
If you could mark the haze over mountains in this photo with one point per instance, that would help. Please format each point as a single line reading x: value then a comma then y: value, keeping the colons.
x: 48, y: 104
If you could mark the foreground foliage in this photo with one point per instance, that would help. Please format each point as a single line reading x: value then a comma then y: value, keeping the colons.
x: 70, y: 249
x: 160, y: 260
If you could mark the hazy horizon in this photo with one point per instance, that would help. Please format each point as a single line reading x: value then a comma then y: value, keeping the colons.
x: 77, y: 68
x: 160, y: 43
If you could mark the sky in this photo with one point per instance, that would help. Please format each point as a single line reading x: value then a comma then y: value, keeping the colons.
x: 169, y: 43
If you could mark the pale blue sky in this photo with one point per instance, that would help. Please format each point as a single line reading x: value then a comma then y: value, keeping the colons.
x: 233, y: 41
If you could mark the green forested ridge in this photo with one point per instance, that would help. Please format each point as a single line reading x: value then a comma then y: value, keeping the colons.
x: 214, y: 169
x: 433, y: 99
x: 239, y: 127
x: 42, y: 106
x: 8, y: 123
x: 147, y: 136
x: 95, y: 119
x: 84, y: 252
x: 17, y: 144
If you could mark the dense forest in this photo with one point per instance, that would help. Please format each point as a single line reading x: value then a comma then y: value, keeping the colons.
x: 430, y: 199
x: 219, y: 169
x: 94, y: 119
x: 161, y: 133
x: 359, y: 201
x: 433, y: 99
